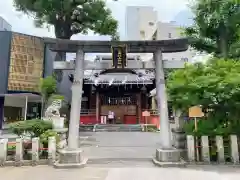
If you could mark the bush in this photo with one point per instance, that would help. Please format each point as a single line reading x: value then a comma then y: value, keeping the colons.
x: 212, y: 127
x: 150, y: 128
x: 49, y: 133
x: 34, y: 127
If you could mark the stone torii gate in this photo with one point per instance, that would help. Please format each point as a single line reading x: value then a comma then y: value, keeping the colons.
x: 72, y: 156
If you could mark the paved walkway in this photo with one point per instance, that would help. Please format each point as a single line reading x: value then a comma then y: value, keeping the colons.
x: 113, y: 173
x: 119, y: 145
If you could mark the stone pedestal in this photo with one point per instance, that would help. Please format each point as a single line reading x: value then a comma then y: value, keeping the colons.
x: 179, y: 142
x: 168, y: 158
x: 58, y: 122
x: 71, y: 158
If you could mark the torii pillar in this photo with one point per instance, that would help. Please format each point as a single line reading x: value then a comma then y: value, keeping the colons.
x: 72, y: 156
x: 166, y: 154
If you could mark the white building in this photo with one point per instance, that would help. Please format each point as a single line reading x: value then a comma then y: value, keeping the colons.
x: 140, y: 22
x: 169, y: 30
x: 4, y: 25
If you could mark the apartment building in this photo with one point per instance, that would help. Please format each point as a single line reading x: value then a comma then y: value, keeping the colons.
x: 4, y: 25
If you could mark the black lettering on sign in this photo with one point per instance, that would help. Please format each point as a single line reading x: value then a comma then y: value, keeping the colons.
x: 119, y: 56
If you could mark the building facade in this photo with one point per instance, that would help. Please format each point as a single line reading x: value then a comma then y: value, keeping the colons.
x: 24, y: 61
x: 140, y: 22
x: 169, y: 30
x: 4, y: 25
x: 125, y: 93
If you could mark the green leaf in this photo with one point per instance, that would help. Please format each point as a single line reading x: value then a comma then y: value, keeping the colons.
x: 70, y: 16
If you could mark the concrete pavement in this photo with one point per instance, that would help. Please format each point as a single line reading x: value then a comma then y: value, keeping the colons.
x: 118, y: 156
x: 120, y: 173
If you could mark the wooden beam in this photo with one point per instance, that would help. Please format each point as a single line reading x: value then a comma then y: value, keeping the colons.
x: 167, y: 46
x: 133, y: 64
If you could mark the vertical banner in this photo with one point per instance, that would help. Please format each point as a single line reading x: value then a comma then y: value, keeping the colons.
x: 119, y: 56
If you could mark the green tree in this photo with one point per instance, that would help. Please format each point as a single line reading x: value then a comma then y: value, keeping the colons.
x: 216, y: 27
x: 48, y: 89
x: 70, y: 16
x: 214, y: 85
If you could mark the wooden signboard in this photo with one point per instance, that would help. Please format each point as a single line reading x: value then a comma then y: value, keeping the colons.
x: 119, y: 56
x: 195, y: 112
x: 145, y: 113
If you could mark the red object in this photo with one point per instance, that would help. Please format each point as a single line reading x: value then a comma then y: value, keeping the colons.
x: 88, y: 119
x: 151, y: 120
x: 128, y: 119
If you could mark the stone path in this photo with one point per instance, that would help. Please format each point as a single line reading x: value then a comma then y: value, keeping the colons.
x: 119, y: 145
x: 120, y: 173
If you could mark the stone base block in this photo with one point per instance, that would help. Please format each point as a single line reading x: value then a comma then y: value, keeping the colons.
x: 71, y: 158
x: 169, y: 158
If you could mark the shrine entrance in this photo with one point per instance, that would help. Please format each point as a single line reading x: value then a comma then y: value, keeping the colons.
x: 72, y: 156
x: 124, y: 109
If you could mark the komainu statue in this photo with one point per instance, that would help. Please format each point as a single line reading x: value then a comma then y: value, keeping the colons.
x: 53, y: 111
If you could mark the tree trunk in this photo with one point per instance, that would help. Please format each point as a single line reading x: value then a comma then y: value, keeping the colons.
x: 62, y: 31
x: 223, y: 41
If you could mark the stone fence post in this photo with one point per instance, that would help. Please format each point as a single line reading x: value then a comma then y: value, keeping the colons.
x: 35, y: 150
x: 220, y: 149
x: 19, y: 152
x: 234, y: 149
x: 3, y: 151
x: 190, y: 148
x: 52, y: 150
x: 205, y: 149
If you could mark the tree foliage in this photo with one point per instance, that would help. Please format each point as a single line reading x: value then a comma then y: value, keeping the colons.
x: 216, y: 28
x: 48, y: 89
x: 70, y: 16
x: 214, y: 85
x: 48, y: 86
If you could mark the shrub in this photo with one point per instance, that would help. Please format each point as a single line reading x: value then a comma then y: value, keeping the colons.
x: 49, y: 133
x: 150, y: 128
x: 212, y: 127
x: 34, y: 127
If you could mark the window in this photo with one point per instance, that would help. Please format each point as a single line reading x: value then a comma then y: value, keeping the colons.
x: 151, y: 23
x: 169, y: 35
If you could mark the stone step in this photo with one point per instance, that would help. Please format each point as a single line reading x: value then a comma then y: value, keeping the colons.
x: 117, y: 128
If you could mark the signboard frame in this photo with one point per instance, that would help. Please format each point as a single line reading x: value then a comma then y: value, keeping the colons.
x: 119, y: 56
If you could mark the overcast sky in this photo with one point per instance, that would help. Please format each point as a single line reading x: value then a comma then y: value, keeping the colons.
x: 167, y: 10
